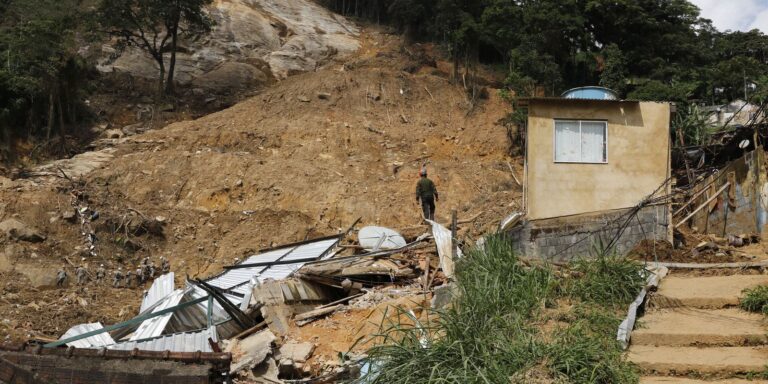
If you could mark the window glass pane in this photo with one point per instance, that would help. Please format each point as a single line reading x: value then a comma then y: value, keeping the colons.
x: 567, y: 141
x: 593, y: 142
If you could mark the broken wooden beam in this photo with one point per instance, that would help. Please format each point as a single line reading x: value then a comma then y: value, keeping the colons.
x: 307, y: 317
x: 704, y: 204
x: 251, y: 330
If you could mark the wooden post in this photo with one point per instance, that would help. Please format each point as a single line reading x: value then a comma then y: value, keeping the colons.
x: 453, y: 235
x: 209, y: 314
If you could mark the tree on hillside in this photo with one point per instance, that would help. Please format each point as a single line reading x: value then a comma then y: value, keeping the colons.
x: 154, y: 26
x: 614, y: 73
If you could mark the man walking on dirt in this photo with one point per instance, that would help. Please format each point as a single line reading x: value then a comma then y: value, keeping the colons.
x: 426, y: 194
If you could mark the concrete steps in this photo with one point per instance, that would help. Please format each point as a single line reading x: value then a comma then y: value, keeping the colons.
x: 714, y: 361
x: 710, y: 292
x: 694, y: 329
x: 679, y: 327
x: 680, y: 380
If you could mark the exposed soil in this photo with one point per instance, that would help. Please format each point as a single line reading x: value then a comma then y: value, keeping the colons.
x: 304, y: 158
x: 355, y: 330
x: 649, y: 250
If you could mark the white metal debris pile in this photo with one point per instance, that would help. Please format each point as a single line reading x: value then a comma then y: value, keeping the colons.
x: 210, y: 310
x: 250, y: 308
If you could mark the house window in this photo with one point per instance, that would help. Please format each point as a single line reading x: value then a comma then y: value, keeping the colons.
x: 578, y: 141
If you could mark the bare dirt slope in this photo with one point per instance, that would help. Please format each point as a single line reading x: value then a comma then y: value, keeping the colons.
x: 304, y: 158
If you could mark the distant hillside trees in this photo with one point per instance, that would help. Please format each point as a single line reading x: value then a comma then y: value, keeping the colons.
x: 642, y: 48
x: 41, y: 75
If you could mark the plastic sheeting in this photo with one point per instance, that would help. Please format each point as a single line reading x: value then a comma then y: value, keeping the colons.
x: 161, y: 287
x: 377, y: 238
x: 444, y: 243
x: 99, y: 340
x: 625, y: 328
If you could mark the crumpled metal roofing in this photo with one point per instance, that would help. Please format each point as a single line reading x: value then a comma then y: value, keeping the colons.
x: 178, y: 342
x: 99, y: 340
x: 161, y: 287
x: 154, y: 327
x: 237, y: 280
x: 239, y: 284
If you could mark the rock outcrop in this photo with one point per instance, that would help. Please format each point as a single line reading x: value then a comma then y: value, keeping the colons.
x: 252, y: 42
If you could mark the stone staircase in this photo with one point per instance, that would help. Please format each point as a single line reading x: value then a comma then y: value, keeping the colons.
x: 695, y: 333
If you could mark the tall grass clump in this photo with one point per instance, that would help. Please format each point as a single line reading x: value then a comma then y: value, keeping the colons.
x: 484, y: 337
x: 755, y: 299
x: 608, y: 280
x: 585, y: 356
x: 495, y: 332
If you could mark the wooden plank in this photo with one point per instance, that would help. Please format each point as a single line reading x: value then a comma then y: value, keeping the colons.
x: 316, y: 313
x: 695, y: 211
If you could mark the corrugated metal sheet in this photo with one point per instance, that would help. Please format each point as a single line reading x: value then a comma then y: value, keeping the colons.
x: 155, y: 326
x: 99, y: 340
x: 161, y: 287
x: 238, y: 280
x: 179, y: 342
x: 161, y: 295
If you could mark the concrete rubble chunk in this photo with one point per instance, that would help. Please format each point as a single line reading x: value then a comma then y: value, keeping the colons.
x: 266, y: 372
x: 442, y: 296
x: 21, y: 231
x: 258, y: 345
x: 252, y: 351
x: 297, y: 352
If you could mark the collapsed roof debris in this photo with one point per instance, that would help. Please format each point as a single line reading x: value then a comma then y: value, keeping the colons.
x: 279, y: 288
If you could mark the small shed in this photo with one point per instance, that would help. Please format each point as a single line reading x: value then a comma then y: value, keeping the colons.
x: 591, y: 163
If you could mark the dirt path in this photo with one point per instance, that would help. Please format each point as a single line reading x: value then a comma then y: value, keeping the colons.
x: 694, y: 332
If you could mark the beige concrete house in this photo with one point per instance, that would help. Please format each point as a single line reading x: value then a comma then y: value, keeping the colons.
x: 589, y: 166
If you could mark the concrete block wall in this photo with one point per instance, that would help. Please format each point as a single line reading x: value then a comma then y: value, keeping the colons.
x: 567, y: 238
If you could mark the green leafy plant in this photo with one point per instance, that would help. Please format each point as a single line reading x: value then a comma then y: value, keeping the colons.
x: 755, y: 299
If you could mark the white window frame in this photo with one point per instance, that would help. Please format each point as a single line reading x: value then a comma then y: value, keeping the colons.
x: 579, y: 121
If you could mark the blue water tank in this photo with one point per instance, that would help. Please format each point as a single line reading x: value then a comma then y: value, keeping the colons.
x: 590, y: 93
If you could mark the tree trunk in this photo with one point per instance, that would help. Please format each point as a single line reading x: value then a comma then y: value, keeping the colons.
x: 172, y: 66
x: 161, y: 80
x: 51, y: 113
x: 456, y: 64
x: 61, y: 115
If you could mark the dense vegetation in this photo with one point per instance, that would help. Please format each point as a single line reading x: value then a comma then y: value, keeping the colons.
x: 44, y: 79
x: 646, y: 49
x: 514, y: 323
x: 41, y: 76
